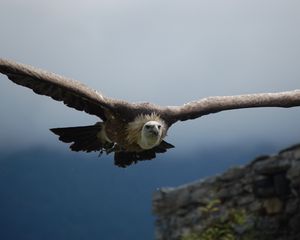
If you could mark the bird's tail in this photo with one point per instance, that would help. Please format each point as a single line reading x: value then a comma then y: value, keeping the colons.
x: 83, y: 138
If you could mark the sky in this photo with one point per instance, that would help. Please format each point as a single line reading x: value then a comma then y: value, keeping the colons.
x: 166, y: 52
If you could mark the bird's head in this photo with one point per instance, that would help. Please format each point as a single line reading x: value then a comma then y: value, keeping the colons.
x: 151, y: 134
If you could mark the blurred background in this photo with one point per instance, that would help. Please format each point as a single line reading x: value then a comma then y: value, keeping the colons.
x: 167, y: 52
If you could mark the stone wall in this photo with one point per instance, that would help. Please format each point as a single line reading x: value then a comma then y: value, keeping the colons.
x: 260, y: 200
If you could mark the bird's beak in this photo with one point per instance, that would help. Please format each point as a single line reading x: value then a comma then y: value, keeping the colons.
x: 154, y: 132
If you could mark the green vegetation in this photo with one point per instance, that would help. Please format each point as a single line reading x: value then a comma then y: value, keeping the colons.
x: 230, y: 225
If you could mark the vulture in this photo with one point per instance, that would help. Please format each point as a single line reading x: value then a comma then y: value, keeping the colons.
x: 132, y: 131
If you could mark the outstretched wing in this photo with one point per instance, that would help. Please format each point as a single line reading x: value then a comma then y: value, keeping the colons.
x: 209, y: 105
x: 71, y: 92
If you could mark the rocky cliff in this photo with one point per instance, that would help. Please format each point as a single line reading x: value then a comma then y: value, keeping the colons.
x: 256, y: 201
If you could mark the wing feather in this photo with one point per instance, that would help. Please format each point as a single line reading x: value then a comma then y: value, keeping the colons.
x: 72, y: 93
x: 209, y: 105
x: 124, y: 159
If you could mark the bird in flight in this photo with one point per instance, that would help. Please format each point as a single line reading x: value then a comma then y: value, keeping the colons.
x: 133, y: 131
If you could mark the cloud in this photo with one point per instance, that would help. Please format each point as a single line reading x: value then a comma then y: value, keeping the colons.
x: 167, y: 52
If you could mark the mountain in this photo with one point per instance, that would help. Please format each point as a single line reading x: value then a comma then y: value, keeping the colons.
x: 54, y: 194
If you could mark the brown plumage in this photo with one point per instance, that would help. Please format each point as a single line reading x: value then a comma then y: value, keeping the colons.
x: 134, y: 131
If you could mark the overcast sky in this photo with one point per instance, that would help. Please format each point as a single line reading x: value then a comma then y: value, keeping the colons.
x: 166, y: 52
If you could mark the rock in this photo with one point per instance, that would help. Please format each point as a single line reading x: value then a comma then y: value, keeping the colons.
x: 246, y: 199
x: 255, y: 207
x: 264, y: 187
x: 272, y: 205
x: 233, y: 173
x: 293, y: 173
x: 297, y: 154
x: 292, y: 205
x: 272, y: 165
x: 266, y: 191
x: 295, y: 223
x: 230, y: 191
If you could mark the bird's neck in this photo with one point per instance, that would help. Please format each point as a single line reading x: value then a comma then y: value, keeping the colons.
x: 148, y: 142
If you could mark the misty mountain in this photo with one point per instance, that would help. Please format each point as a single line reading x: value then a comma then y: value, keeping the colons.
x: 50, y: 194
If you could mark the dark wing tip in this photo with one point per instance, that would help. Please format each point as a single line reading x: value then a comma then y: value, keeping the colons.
x: 125, y: 159
x: 166, y: 145
x: 55, y: 130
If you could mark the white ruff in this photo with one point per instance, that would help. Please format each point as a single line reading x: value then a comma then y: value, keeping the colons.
x: 136, y: 134
x: 147, y: 140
